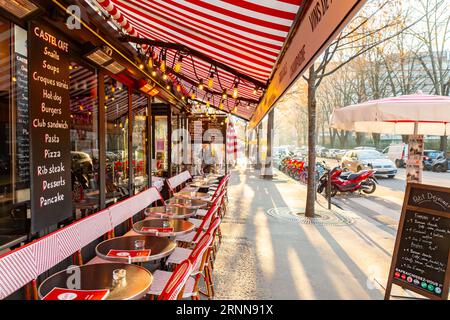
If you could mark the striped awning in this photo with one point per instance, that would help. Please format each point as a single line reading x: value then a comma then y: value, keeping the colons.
x: 246, y: 35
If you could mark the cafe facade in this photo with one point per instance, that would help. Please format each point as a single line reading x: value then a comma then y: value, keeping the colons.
x: 86, y: 120
x: 81, y: 128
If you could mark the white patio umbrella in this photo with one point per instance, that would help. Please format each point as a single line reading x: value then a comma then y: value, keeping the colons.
x: 409, y: 114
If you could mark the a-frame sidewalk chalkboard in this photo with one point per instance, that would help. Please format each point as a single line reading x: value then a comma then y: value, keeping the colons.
x: 421, y: 259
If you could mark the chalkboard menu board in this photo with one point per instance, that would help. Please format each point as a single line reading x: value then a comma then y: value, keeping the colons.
x: 49, y: 127
x: 23, y: 123
x: 421, y: 256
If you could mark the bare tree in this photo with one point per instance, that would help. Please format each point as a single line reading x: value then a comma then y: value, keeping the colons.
x: 375, y: 24
x: 434, y: 55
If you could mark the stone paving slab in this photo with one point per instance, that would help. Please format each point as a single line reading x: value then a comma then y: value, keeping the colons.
x: 264, y: 257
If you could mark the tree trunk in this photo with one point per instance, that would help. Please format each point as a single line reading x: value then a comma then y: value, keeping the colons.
x: 444, y: 145
x: 359, y: 138
x: 332, y: 137
x: 405, y: 138
x: 343, y: 137
x: 311, y: 189
x: 323, y: 134
x: 376, y: 139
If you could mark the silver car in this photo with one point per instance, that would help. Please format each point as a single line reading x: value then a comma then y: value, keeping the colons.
x: 357, y: 160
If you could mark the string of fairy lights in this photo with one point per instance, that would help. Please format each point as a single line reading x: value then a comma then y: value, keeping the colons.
x: 201, y: 94
x: 157, y: 65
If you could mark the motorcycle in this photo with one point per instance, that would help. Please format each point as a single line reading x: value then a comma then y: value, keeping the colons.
x: 284, y: 163
x: 363, y: 180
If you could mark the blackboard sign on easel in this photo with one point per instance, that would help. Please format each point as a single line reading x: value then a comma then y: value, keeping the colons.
x: 421, y: 259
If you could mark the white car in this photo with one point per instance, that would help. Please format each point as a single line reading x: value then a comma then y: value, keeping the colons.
x: 332, y: 153
x: 398, y: 153
x: 357, y: 160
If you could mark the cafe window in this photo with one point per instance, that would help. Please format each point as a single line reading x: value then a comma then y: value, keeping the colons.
x: 117, y: 170
x: 161, y: 144
x: 14, y: 134
x: 84, y: 137
x: 140, y: 104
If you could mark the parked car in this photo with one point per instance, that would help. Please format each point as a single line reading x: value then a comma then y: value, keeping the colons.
x: 365, y: 148
x: 340, y: 154
x: 332, y: 153
x: 440, y: 164
x: 281, y: 151
x: 429, y: 156
x: 323, y: 152
x: 359, y: 159
x: 398, y: 153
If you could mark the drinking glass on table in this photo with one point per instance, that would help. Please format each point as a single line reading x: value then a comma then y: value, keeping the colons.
x: 139, y: 244
x: 119, y: 276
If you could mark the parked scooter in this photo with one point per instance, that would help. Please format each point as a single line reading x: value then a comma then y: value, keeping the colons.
x: 440, y: 164
x: 363, y: 180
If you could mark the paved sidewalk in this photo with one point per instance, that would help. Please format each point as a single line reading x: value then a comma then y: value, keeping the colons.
x: 269, y: 257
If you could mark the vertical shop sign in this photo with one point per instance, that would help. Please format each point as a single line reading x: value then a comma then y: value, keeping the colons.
x: 49, y: 60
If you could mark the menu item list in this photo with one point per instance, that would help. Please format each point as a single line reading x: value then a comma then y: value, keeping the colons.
x: 49, y: 127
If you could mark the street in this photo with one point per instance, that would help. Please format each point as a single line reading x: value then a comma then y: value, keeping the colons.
x: 384, y: 205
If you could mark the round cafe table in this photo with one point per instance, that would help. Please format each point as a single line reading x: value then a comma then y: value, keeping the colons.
x: 99, y: 277
x: 179, y: 227
x: 160, y: 248
x: 192, y: 195
x: 201, y: 185
x: 175, y: 212
x: 194, y: 204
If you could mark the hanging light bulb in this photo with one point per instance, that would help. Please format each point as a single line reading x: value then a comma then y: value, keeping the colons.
x: 208, y: 104
x: 178, y: 87
x: 227, y: 120
x: 141, y: 66
x: 150, y: 62
x: 211, y: 80
x: 153, y: 73
x: 235, y: 91
x: 193, y: 95
x: 163, y: 63
x: 221, y: 105
x: 224, y: 94
x: 200, y: 85
x: 182, y: 98
x: 235, y: 110
x: 164, y: 76
x: 178, y: 65
x: 168, y: 87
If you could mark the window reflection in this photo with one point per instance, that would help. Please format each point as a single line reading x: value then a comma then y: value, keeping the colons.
x: 140, y: 103
x: 117, y: 172
x: 84, y: 138
x: 161, y: 144
x: 14, y: 134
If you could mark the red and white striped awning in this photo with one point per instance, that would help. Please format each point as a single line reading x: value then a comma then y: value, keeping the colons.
x: 247, y: 35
